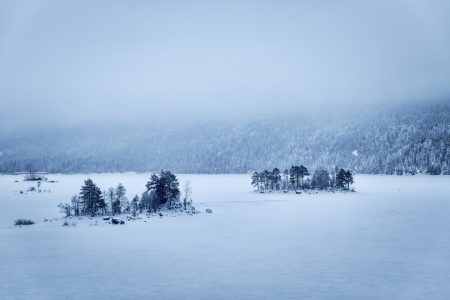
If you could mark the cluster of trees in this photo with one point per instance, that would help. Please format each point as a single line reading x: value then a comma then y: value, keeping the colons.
x: 162, y: 191
x: 90, y: 201
x: 298, y: 177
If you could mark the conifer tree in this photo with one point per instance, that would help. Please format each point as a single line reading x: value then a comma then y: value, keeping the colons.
x: 294, y: 174
x: 255, y: 180
x: 275, y: 179
x: 348, y: 179
x: 340, y: 178
x: 166, y: 187
x: 90, y: 198
x: 303, y: 172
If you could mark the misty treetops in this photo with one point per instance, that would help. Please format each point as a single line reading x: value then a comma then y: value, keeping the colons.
x: 299, y: 178
x: 389, y: 140
x: 162, y: 190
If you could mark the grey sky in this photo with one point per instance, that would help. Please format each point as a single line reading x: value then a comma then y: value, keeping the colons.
x: 75, y: 61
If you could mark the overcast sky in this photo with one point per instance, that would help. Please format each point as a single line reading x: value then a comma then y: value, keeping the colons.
x: 76, y: 61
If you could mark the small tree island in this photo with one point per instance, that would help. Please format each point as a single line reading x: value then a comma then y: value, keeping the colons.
x: 298, y: 178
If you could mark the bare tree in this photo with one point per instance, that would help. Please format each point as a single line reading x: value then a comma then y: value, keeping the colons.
x: 76, y: 204
x: 110, y: 196
x: 187, y: 194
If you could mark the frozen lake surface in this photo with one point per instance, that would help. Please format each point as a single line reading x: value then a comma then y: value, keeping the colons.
x: 389, y: 240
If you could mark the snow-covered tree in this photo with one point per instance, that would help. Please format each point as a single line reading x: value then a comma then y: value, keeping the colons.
x: 187, y: 194
x: 166, y: 187
x: 135, y: 206
x: 321, y: 179
x: 91, y: 198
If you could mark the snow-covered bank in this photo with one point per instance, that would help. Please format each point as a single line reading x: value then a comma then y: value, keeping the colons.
x: 389, y: 240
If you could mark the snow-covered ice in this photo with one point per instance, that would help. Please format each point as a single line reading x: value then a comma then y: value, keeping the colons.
x: 389, y: 240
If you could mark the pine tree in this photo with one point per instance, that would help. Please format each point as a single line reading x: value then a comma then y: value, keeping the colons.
x: 275, y: 179
x: 90, y: 198
x: 171, y: 187
x: 265, y: 179
x: 303, y: 172
x: 348, y: 179
x: 166, y: 187
x: 294, y: 174
x: 255, y: 180
x: 340, y: 178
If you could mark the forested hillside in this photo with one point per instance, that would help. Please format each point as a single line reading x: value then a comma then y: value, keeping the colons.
x: 391, y: 140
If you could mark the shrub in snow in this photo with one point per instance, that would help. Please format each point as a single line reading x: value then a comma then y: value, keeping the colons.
x: 65, y: 208
x: 23, y: 222
x: 66, y: 223
x: 209, y: 211
x: 32, y: 189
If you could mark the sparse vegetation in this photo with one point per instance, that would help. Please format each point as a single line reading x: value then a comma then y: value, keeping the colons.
x: 23, y: 222
x: 67, y: 224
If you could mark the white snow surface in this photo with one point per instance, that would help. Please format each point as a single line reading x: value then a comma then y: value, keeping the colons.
x: 388, y: 240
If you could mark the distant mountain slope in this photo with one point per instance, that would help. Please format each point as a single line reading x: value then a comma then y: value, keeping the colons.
x: 415, y: 139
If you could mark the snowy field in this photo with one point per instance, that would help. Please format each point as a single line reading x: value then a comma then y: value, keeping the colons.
x: 389, y: 240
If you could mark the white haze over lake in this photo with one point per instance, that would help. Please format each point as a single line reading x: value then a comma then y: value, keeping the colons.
x: 68, y: 62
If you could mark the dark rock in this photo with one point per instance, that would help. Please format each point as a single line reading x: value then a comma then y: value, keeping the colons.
x: 106, y: 219
x: 115, y: 221
x: 209, y: 211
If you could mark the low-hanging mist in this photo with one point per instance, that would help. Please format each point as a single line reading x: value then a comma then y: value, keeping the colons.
x: 391, y: 140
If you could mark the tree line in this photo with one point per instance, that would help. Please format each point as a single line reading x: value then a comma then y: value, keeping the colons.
x: 162, y: 190
x: 413, y: 139
x: 299, y: 178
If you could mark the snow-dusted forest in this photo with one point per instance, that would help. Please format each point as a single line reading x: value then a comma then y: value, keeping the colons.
x: 383, y: 139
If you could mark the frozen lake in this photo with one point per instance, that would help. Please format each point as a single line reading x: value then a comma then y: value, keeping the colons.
x: 389, y: 240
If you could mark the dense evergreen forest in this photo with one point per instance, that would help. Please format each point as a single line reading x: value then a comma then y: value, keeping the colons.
x: 386, y: 139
